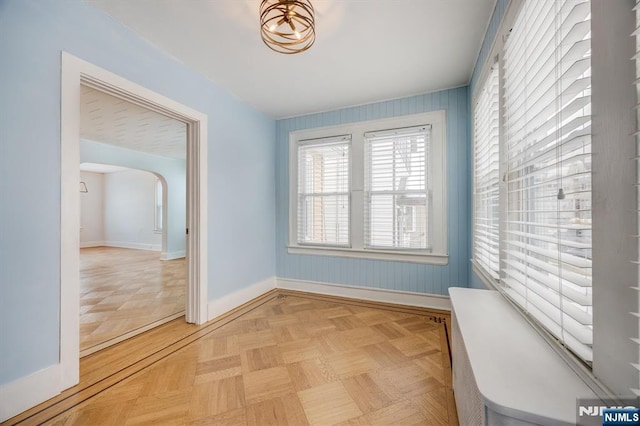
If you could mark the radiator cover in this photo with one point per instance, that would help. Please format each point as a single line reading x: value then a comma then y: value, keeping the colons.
x: 468, y: 400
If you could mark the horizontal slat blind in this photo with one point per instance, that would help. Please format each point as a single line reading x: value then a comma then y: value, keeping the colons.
x: 487, y: 177
x: 546, y: 258
x: 636, y: 58
x: 324, y: 191
x: 396, y: 193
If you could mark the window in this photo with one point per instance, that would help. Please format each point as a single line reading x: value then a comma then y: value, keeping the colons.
x: 486, y: 178
x: 323, y: 191
x: 158, y: 207
x: 396, y: 189
x: 372, y: 189
x: 546, y: 259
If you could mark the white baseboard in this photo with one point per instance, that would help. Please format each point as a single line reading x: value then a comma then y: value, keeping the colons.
x: 29, y: 391
x: 85, y: 244
x: 434, y: 301
x: 137, y: 246
x: 233, y: 300
x: 170, y: 255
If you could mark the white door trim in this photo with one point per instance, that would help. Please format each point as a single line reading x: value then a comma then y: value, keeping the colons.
x: 75, y: 72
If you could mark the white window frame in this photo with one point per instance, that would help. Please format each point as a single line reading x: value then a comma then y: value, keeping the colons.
x: 159, y: 204
x: 438, y: 253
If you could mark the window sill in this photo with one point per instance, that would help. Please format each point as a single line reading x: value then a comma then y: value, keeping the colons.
x: 426, y: 258
x: 494, y: 343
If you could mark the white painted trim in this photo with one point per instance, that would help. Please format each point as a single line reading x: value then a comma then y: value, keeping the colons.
x: 75, y: 72
x: 88, y: 244
x: 69, y: 224
x: 172, y: 255
x: 394, y: 256
x: 29, y: 391
x: 136, y: 246
x: 408, y: 298
x: 231, y: 301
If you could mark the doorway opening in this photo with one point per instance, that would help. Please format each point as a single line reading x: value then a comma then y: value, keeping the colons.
x: 77, y: 74
x: 128, y: 282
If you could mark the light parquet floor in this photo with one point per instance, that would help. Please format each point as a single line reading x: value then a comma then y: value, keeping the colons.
x: 124, y: 291
x: 294, y: 359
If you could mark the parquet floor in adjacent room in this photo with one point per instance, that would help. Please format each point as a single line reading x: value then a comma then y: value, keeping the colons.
x: 293, y: 359
x: 124, y: 291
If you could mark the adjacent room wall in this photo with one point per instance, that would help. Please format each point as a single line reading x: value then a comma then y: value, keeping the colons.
x: 129, y: 209
x: 92, y: 210
x: 172, y: 170
x: 385, y: 274
x: 241, y: 222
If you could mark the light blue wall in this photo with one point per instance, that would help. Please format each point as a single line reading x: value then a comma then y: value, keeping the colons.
x: 241, y: 145
x: 384, y: 274
x: 487, y: 44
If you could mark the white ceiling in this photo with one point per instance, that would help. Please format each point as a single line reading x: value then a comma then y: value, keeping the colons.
x: 107, y: 119
x: 365, y: 50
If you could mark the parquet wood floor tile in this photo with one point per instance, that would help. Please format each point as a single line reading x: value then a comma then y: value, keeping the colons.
x: 124, y: 290
x: 328, y: 404
x: 337, y: 363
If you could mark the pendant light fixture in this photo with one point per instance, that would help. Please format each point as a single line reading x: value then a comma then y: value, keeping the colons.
x: 287, y: 26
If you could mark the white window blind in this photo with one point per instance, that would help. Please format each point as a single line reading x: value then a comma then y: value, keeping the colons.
x: 396, y: 191
x: 546, y: 260
x: 324, y: 191
x: 636, y: 58
x: 486, y: 182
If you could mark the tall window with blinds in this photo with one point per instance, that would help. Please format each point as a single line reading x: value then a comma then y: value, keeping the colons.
x: 324, y: 191
x: 396, y: 190
x: 546, y: 260
x: 486, y: 177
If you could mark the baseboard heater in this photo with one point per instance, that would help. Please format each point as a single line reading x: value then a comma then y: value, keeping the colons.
x: 504, y: 372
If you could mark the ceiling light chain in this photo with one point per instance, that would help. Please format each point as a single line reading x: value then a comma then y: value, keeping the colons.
x: 287, y: 26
